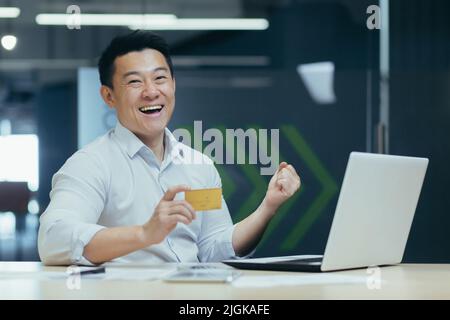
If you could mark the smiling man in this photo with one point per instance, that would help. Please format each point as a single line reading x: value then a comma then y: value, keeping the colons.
x: 119, y: 198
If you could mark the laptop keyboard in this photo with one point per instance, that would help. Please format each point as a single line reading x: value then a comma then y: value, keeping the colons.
x: 300, y: 261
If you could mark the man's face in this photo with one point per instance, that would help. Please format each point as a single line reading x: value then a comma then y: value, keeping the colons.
x: 143, y: 94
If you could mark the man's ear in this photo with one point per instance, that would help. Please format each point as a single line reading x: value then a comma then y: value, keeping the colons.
x: 108, y: 96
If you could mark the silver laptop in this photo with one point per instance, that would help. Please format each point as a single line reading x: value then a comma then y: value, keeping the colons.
x: 373, y: 217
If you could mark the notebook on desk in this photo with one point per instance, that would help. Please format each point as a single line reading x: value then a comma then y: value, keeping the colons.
x: 372, y: 220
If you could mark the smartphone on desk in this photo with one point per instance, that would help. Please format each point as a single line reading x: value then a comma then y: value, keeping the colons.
x: 202, y: 274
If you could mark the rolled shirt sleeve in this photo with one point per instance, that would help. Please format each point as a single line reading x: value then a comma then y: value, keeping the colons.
x: 79, y: 190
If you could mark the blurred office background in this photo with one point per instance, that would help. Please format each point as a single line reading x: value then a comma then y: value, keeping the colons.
x: 311, y: 68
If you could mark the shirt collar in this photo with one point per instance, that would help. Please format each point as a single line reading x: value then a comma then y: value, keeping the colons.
x: 132, y: 144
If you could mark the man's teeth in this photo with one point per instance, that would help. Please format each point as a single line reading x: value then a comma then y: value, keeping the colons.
x: 150, y: 108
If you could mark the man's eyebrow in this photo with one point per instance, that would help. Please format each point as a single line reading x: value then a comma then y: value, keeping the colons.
x: 160, y: 69
x: 129, y: 73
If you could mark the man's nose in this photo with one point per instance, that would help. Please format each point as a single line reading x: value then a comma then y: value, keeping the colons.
x: 150, y: 91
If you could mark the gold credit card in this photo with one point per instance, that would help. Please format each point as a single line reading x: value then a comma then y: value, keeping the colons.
x: 204, y: 199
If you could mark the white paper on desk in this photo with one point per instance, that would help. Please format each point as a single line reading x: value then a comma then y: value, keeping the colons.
x: 39, y: 275
x: 288, y: 280
x: 112, y: 273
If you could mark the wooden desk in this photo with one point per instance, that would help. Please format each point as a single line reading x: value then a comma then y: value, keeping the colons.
x: 26, y: 280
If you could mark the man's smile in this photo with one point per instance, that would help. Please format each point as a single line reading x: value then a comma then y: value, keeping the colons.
x: 151, y: 109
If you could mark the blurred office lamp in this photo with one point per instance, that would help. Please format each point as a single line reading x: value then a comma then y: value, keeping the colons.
x: 318, y: 78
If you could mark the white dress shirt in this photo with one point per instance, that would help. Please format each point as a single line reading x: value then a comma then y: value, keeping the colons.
x: 117, y: 181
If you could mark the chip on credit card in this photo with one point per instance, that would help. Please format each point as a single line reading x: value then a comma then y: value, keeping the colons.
x: 204, y: 199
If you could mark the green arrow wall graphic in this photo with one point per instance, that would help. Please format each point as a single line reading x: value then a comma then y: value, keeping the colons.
x: 281, y: 213
x: 228, y: 186
x: 258, y: 182
x: 259, y: 186
x: 329, y: 187
x: 259, y: 190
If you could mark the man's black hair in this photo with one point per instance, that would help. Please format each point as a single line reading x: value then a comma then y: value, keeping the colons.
x: 135, y: 41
